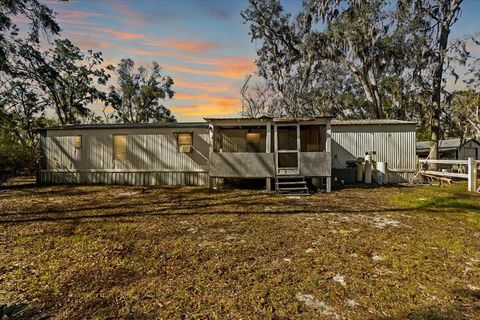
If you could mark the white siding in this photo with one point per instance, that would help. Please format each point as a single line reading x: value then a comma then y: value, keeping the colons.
x: 152, y: 157
x: 394, y: 144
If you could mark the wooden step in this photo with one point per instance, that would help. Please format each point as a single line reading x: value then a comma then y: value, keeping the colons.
x: 294, y: 189
x: 292, y: 182
x: 295, y: 194
x: 290, y: 177
x: 293, y: 185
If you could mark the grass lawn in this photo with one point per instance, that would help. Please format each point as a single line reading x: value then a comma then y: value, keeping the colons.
x: 108, y: 252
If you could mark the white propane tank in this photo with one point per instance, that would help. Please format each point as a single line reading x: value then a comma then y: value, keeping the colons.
x: 368, y: 169
x: 382, y: 173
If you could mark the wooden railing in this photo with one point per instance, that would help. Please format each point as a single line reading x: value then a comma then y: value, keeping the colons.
x: 471, y: 174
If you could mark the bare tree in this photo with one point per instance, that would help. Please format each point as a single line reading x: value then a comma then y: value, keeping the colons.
x: 257, y: 99
x: 285, y: 58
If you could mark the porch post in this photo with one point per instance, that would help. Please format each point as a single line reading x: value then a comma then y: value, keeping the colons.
x: 328, y: 148
x: 268, y: 182
x: 298, y: 147
x: 210, y: 151
x: 275, y: 147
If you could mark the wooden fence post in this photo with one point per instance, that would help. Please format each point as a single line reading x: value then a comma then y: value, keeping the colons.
x: 472, y: 175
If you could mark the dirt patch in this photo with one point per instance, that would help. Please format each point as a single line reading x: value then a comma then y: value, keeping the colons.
x: 319, y: 306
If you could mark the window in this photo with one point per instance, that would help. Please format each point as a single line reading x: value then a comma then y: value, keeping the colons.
x: 312, y: 138
x: 253, y: 141
x: 119, y: 146
x: 287, y: 138
x: 78, y: 142
x: 185, y: 142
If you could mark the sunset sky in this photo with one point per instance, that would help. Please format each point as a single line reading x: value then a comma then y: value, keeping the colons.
x: 203, y: 45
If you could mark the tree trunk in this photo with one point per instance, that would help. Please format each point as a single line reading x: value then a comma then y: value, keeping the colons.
x: 435, y: 130
x: 376, y: 94
x: 372, y: 96
x: 370, y: 88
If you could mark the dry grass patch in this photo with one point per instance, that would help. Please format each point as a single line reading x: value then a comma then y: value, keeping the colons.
x: 106, y: 252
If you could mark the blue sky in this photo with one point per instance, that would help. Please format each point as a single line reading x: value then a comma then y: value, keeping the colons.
x: 202, y: 44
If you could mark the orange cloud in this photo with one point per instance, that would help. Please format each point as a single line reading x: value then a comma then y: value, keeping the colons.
x: 234, y: 68
x: 133, y: 16
x: 189, y: 96
x: 206, y: 109
x: 203, y: 96
x: 142, y: 52
x: 75, y: 21
x: 115, y: 33
x: 93, y: 44
x: 84, y: 34
x: 203, y: 86
x: 208, y: 105
x: 121, y: 34
x: 73, y: 14
x: 183, y: 44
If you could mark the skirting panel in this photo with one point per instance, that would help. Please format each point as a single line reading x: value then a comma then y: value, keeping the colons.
x: 127, y: 178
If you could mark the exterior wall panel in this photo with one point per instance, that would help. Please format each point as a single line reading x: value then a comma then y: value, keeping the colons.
x: 315, y: 164
x: 242, y: 165
x: 152, y: 157
x: 394, y: 144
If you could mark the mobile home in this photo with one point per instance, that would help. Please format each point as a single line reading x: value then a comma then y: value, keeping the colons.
x: 287, y: 154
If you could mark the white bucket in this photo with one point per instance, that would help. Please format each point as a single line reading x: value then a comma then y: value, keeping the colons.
x: 382, y: 173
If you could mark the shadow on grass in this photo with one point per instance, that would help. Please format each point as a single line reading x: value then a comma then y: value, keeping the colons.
x: 19, y: 186
x: 236, y: 205
x: 454, y: 202
x: 465, y: 306
x: 14, y: 311
x: 167, y: 212
x: 179, y: 201
x: 190, y: 201
x: 372, y: 186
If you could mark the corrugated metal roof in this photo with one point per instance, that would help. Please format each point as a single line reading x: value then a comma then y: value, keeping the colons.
x: 238, y: 118
x: 269, y: 118
x: 370, y: 122
x: 205, y: 124
x: 130, y: 125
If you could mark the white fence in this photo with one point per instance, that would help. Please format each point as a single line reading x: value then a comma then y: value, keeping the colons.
x: 470, y: 175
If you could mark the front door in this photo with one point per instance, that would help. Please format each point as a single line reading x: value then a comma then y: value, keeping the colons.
x: 287, y: 148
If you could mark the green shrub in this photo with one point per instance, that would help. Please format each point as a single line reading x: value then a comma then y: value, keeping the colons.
x: 16, y: 157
